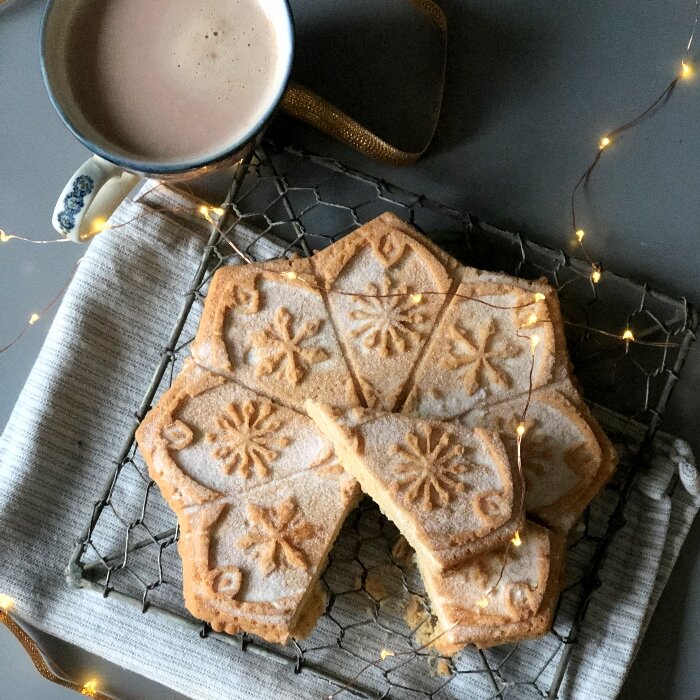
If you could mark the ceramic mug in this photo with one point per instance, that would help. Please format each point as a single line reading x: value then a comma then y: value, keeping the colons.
x: 103, y: 181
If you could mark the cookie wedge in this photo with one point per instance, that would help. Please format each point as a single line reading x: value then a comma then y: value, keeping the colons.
x: 259, y: 497
x: 450, y: 490
x: 565, y: 461
x: 505, y: 595
x: 494, y: 341
x: 266, y: 326
x: 385, y: 291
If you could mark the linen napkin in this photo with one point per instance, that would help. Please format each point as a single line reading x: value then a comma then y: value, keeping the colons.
x: 77, y: 406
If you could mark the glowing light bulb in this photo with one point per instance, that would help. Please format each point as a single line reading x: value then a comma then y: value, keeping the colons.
x: 204, y: 211
x: 291, y: 275
x: 218, y: 211
x: 6, y: 602
x: 604, y: 142
x: 516, y: 541
x: 385, y: 654
x: 531, y: 320
x: 4, y: 237
x: 534, y: 340
x: 33, y: 319
x: 416, y: 298
x: 539, y: 296
x: 483, y: 603
x: 520, y: 430
x: 89, y: 689
x: 595, y: 276
x: 580, y: 234
x: 628, y: 335
x: 99, y: 225
x: 686, y: 70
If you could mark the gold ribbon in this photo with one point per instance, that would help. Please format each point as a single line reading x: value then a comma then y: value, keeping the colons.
x: 307, y: 106
x: 37, y: 657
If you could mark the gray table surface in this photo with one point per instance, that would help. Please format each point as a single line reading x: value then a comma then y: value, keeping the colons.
x: 531, y: 87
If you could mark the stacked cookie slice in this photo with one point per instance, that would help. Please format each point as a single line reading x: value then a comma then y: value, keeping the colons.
x: 379, y: 365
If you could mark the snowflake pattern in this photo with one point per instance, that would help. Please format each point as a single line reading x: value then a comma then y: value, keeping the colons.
x: 278, y: 536
x: 247, y: 437
x: 388, y: 323
x: 430, y: 465
x: 478, y: 358
x: 282, y: 348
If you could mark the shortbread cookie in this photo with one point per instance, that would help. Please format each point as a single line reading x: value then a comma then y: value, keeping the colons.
x: 385, y: 293
x: 449, y: 489
x: 267, y: 327
x: 506, y: 595
x: 494, y: 341
x: 540, y: 290
x: 560, y: 455
x: 609, y: 456
x: 259, y: 497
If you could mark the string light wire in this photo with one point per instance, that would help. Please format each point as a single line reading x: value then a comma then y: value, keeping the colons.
x: 685, y: 72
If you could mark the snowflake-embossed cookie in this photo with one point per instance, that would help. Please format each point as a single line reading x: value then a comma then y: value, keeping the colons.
x: 267, y: 327
x: 505, y: 595
x: 385, y: 292
x: 450, y: 490
x: 563, y: 461
x: 493, y: 340
x: 259, y: 497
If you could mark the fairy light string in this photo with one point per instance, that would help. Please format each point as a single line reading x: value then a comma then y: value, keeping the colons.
x: 212, y: 214
x: 685, y: 72
x: 37, y: 316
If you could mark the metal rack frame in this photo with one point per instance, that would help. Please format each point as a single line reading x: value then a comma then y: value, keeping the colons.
x: 299, y: 198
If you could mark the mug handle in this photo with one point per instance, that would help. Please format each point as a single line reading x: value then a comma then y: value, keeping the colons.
x: 91, y: 196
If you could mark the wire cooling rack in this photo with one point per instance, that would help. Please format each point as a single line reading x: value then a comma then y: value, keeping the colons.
x: 376, y: 599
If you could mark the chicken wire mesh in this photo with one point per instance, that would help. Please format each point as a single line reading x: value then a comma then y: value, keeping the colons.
x: 375, y: 597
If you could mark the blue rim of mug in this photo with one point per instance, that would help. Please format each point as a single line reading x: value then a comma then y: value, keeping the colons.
x: 152, y: 167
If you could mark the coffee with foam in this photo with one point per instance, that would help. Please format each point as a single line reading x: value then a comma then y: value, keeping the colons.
x: 174, y: 80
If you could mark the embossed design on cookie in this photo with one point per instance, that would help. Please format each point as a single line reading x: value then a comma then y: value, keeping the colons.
x: 388, y: 248
x: 327, y: 464
x: 282, y: 350
x: 244, y: 298
x: 388, y: 323
x: 519, y: 600
x: 178, y: 435
x: 247, y: 436
x: 278, y: 538
x: 479, y: 573
x: 431, y: 465
x: 224, y: 582
x: 490, y: 506
x: 580, y: 459
x: 478, y: 358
